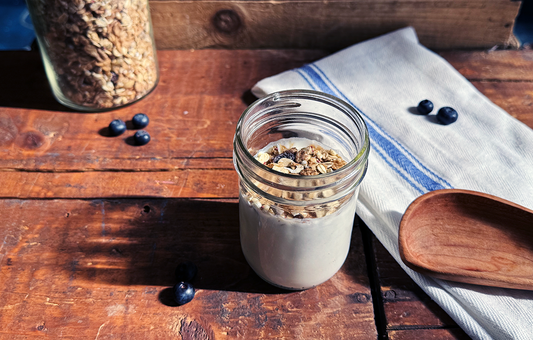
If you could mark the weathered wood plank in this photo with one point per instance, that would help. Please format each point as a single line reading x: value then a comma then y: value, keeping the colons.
x: 197, y: 72
x: 102, y: 268
x: 94, y: 184
x: 61, y: 163
x: 193, y: 114
x: 440, y: 334
x: 496, y: 65
x: 405, y: 304
x: 194, y: 128
x: 76, y: 154
x: 329, y: 24
x: 516, y: 98
x: 410, y: 313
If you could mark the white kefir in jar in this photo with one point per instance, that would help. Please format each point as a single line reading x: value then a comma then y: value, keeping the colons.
x: 291, y: 250
x: 297, y: 203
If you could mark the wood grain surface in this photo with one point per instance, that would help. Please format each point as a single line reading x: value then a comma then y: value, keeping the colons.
x: 102, y: 269
x: 74, y: 196
x: 181, y: 24
x: 193, y: 112
x: 406, y: 308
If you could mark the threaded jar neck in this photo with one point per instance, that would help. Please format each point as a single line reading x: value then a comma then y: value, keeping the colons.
x: 305, y: 114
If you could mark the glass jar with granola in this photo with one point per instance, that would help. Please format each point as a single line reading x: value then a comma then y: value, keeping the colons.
x: 97, y: 54
x: 301, y: 156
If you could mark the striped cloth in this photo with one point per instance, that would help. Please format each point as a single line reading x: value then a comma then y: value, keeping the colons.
x: 485, y: 150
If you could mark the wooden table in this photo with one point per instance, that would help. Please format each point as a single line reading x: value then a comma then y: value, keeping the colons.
x: 92, y: 227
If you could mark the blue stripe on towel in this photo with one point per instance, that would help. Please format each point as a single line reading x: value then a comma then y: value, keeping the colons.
x: 398, y: 172
x: 378, y: 136
x: 442, y: 180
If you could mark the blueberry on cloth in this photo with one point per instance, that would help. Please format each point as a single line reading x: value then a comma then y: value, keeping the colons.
x: 425, y: 107
x: 140, y: 120
x: 285, y: 154
x: 447, y: 115
x: 141, y: 137
x: 186, y: 271
x: 183, y: 293
x: 117, y: 127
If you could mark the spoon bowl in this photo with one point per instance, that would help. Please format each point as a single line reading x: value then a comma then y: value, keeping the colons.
x: 468, y: 236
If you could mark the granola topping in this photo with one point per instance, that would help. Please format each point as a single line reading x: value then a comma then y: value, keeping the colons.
x: 309, y: 160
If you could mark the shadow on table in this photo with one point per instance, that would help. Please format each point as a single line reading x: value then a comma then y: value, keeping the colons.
x: 141, y: 241
x: 24, y: 83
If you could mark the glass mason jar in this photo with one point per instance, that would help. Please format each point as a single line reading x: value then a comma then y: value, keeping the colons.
x: 97, y: 55
x: 295, y: 230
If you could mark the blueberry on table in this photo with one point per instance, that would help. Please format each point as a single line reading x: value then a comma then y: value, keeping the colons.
x: 141, y: 137
x: 140, y: 120
x: 117, y: 127
x: 425, y: 107
x: 186, y: 271
x: 183, y: 293
x: 447, y: 115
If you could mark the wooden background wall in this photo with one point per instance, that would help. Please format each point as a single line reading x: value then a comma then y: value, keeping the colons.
x: 330, y: 24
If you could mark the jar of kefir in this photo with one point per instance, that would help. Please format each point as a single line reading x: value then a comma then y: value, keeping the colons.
x: 301, y: 156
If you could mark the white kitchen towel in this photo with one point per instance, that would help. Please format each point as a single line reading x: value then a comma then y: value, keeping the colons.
x: 484, y: 150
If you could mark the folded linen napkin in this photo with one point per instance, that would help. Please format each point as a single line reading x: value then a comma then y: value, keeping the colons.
x: 484, y: 150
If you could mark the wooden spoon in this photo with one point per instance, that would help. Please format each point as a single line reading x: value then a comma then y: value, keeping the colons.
x: 468, y: 236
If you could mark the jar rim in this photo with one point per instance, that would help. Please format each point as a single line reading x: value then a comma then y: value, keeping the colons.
x: 306, y: 94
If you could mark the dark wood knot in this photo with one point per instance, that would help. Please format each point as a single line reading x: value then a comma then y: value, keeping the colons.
x: 31, y: 140
x: 359, y: 298
x: 390, y: 295
x: 227, y: 21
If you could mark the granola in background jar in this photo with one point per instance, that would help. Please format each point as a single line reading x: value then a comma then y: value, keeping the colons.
x: 98, y: 54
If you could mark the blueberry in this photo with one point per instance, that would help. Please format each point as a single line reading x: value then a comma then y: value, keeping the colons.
x: 140, y: 120
x: 425, y: 107
x: 141, y: 137
x: 186, y: 271
x: 285, y: 154
x: 114, y: 77
x: 117, y: 127
x: 183, y: 293
x: 447, y: 115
